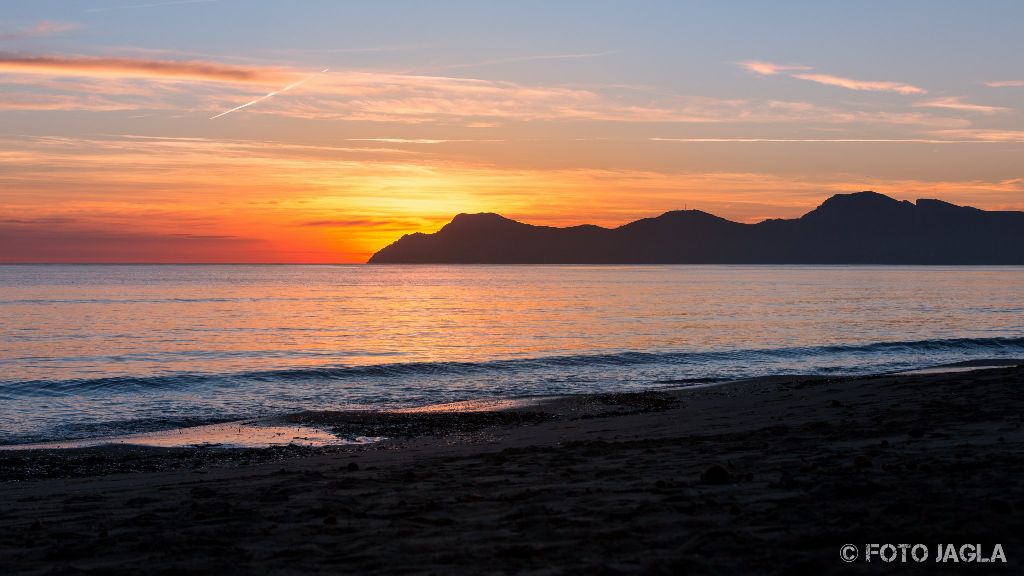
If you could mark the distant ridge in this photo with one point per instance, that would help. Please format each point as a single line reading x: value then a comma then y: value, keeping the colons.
x: 858, y: 228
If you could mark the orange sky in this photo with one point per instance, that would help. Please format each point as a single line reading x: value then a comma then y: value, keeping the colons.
x: 128, y: 198
x: 119, y: 145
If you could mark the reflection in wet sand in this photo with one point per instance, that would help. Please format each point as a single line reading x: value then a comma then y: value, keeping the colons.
x: 228, y: 435
x: 483, y: 405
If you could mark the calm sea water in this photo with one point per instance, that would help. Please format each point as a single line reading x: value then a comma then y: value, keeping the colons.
x: 96, y: 350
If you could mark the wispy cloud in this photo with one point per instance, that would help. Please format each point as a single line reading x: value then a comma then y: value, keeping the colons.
x: 827, y: 140
x: 378, y: 96
x: 270, y: 94
x: 134, y: 67
x: 150, y: 5
x: 297, y: 200
x: 799, y: 71
x: 1012, y: 136
x: 769, y: 68
x: 868, y: 85
x: 514, y: 59
x: 349, y: 50
x: 32, y: 101
x: 388, y: 223
x: 76, y: 241
x: 411, y: 98
x: 225, y: 145
x: 422, y: 140
x: 957, y: 103
x: 1006, y: 84
x: 44, y: 28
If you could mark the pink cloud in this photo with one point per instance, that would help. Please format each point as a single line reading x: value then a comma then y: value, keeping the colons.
x: 769, y: 68
x: 1011, y: 136
x: 89, y: 66
x: 868, y: 85
x: 957, y: 103
x: 30, y: 101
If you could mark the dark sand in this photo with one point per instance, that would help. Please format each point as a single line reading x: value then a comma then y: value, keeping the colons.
x: 769, y: 476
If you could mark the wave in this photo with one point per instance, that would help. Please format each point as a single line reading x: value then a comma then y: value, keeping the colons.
x: 828, y: 359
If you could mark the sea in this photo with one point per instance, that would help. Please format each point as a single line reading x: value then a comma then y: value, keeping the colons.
x: 99, y: 350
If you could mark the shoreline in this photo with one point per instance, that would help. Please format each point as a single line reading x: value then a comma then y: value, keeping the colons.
x: 750, y: 477
x: 327, y: 428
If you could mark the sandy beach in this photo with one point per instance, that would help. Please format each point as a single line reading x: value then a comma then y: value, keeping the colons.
x: 770, y: 476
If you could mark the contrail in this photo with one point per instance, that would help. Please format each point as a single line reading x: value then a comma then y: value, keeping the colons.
x: 274, y: 93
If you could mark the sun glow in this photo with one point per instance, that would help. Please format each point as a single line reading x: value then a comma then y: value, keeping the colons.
x: 211, y: 200
x: 231, y: 148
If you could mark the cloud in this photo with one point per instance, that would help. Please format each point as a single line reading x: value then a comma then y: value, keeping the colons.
x: 30, y: 101
x: 250, y: 147
x: 308, y: 204
x: 295, y: 84
x: 411, y: 99
x: 210, y: 87
x: 1006, y: 84
x: 769, y: 68
x: 88, y: 66
x: 423, y: 140
x: 957, y: 103
x: 825, y: 140
x: 535, y: 58
x: 868, y: 85
x: 988, y: 135
x: 69, y: 240
x: 43, y: 28
x: 350, y: 50
x: 389, y: 224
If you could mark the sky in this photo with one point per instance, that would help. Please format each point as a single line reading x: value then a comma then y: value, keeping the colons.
x: 319, y: 131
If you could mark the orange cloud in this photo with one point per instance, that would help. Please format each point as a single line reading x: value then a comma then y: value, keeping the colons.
x: 825, y: 140
x: 270, y: 201
x: 957, y: 103
x: 136, y: 68
x: 868, y: 85
x: 771, y: 69
x: 768, y: 68
x: 423, y: 140
x: 36, y: 102
x: 1014, y: 136
x: 65, y: 240
x: 386, y: 97
x: 129, y: 83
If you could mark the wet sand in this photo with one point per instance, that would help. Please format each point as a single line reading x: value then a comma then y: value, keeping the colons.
x: 770, y: 476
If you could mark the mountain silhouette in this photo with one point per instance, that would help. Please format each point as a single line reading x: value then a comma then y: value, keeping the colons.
x: 859, y: 228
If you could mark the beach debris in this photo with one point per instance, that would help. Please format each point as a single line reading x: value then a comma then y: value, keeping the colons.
x: 715, y: 475
x: 786, y: 482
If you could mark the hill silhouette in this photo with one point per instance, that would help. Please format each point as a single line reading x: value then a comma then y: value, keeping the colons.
x: 858, y: 228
